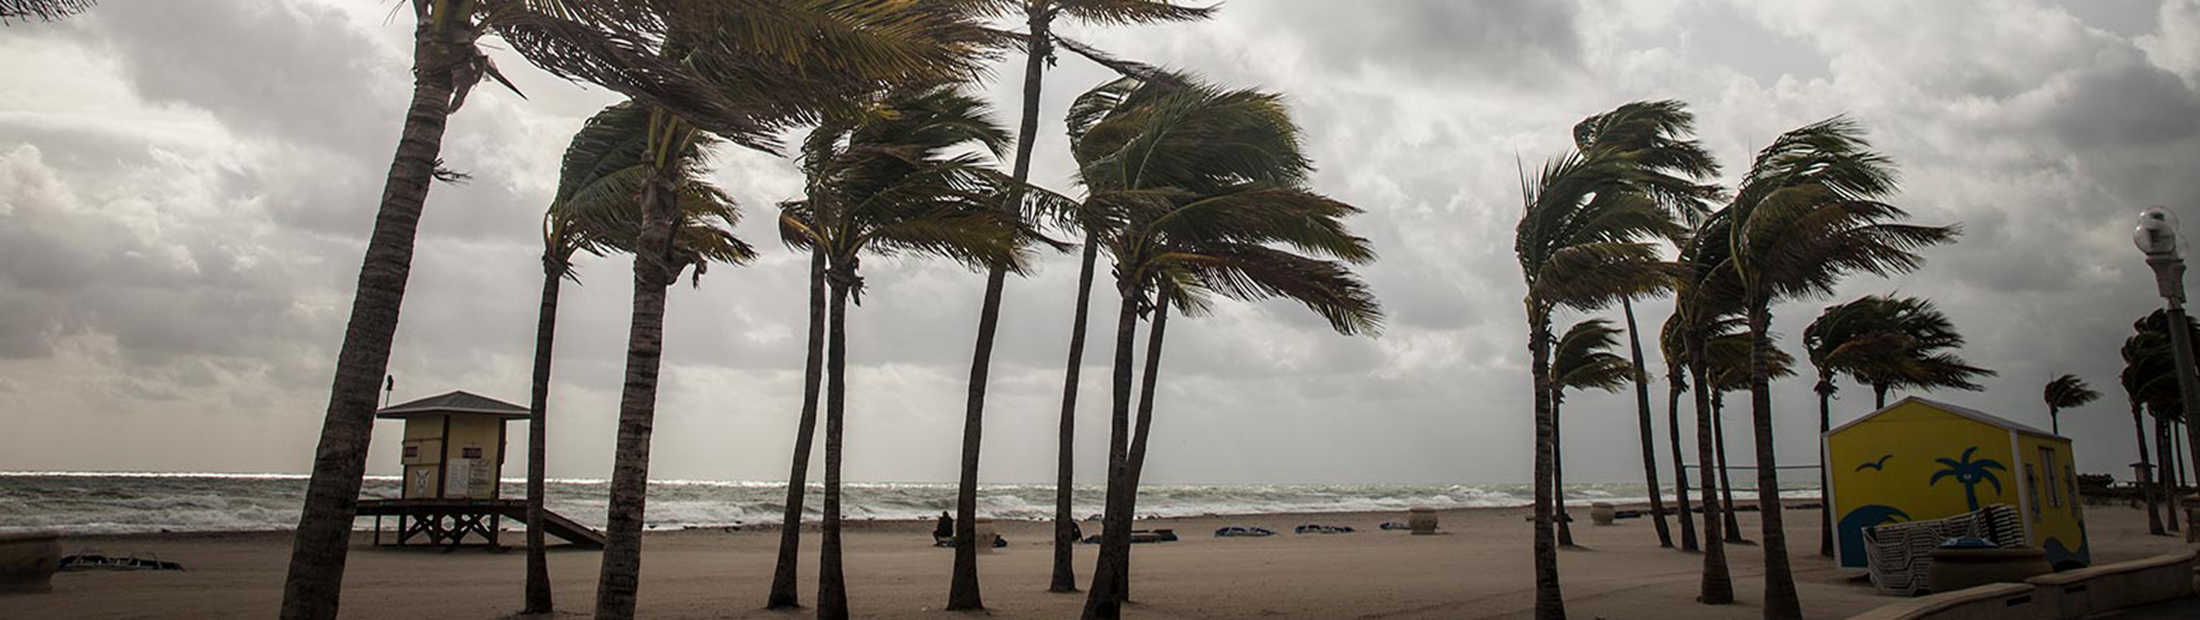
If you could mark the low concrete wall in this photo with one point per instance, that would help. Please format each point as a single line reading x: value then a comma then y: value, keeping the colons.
x: 1993, y: 601
x: 2087, y: 591
x: 2066, y: 595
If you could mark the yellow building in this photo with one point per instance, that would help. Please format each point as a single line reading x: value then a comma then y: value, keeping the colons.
x: 1920, y: 459
x: 454, y: 444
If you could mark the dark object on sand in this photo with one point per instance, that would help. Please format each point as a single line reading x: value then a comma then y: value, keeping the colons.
x: 1141, y: 536
x: 92, y: 561
x: 1235, y: 531
x: 1314, y: 528
x: 1394, y: 525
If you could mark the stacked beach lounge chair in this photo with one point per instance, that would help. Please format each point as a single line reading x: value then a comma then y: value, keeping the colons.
x: 1901, y: 554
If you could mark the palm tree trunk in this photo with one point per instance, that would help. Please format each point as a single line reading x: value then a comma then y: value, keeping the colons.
x: 2167, y: 477
x: 1680, y: 471
x: 315, y: 580
x: 1781, y: 600
x: 790, y: 526
x: 832, y: 587
x: 2146, y: 487
x: 538, y: 435
x: 1550, y: 603
x: 1825, y: 505
x: 1718, y: 584
x: 1649, y: 433
x: 1101, y: 601
x: 1726, y: 481
x: 1879, y: 396
x: 1558, y: 472
x: 1065, y: 575
x: 1142, y: 428
x: 654, y: 271
x: 2054, y: 419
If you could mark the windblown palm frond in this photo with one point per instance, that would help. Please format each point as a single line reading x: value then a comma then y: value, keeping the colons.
x: 1726, y: 357
x: 1808, y: 213
x: 2069, y: 391
x: 42, y: 10
x: 597, y: 205
x: 1583, y: 359
x: 1919, y: 350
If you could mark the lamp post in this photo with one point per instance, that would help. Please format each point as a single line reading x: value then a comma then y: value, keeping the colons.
x: 2156, y: 235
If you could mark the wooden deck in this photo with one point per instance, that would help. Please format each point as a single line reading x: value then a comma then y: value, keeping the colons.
x: 448, y: 522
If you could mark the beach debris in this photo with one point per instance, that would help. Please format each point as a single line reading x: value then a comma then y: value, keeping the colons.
x: 1233, y: 531
x: 1316, y: 528
x: 98, y: 561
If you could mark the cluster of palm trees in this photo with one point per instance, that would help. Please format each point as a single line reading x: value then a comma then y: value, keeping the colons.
x: 1809, y: 211
x: 1193, y: 191
x: 2149, y: 379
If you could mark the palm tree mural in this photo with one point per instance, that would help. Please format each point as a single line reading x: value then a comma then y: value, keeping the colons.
x: 2066, y: 392
x: 1582, y: 360
x: 1969, y: 473
x: 888, y: 181
x: 1038, y: 41
x: 595, y: 210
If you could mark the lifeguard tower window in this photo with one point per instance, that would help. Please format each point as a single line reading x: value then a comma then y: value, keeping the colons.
x: 412, y: 452
x: 2033, y: 481
x: 470, y: 453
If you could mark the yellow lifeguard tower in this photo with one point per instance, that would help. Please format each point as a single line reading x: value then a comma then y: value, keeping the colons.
x: 1921, y: 459
x: 452, y: 487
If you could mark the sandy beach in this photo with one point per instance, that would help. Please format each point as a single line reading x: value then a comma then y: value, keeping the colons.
x: 1479, y: 570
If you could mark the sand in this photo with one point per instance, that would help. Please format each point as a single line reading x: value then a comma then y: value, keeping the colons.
x: 1480, y: 569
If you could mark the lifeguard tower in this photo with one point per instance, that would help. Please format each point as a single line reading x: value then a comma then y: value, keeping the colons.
x: 453, y: 457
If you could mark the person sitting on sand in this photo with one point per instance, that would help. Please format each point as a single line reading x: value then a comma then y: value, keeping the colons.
x: 943, y: 533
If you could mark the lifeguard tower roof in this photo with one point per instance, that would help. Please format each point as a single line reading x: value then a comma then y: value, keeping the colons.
x: 456, y: 401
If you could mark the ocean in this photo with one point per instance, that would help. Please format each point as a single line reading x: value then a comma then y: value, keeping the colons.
x: 125, y: 503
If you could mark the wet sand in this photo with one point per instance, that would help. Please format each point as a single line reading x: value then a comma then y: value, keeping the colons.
x: 1480, y: 568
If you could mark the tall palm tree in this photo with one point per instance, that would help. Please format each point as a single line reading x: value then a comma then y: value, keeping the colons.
x: 2131, y: 380
x: 594, y: 211
x: 1581, y: 360
x: 1671, y: 347
x: 2150, y: 378
x: 1670, y: 168
x: 1726, y: 357
x: 1807, y: 213
x: 1852, y: 338
x: 782, y: 592
x: 1038, y: 42
x: 890, y: 182
x: 615, y: 44
x: 1584, y: 242
x: 1706, y: 295
x: 2066, y: 392
x: 1926, y: 357
x: 42, y: 10
x: 1196, y: 187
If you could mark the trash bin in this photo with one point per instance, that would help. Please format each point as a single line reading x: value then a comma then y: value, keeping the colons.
x: 1422, y: 519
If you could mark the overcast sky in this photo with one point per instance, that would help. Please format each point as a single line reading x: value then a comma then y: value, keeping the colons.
x: 185, y: 189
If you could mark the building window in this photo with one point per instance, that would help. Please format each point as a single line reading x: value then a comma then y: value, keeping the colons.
x: 2047, y: 462
x: 2033, y: 481
x: 469, y: 453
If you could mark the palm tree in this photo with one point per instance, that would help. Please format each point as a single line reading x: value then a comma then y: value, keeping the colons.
x: 2149, y: 379
x: 1581, y: 360
x: 594, y: 211
x: 1925, y: 358
x: 2131, y: 382
x: 1038, y: 42
x: 1806, y: 214
x: 1726, y: 356
x: 1670, y: 164
x: 42, y: 10
x: 1583, y: 243
x: 1671, y: 347
x: 1196, y: 186
x: 2066, y: 392
x: 782, y: 593
x: 617, y: 45
x: 1706, y: 293
x: 1850, y: 338
x: 889, y: 182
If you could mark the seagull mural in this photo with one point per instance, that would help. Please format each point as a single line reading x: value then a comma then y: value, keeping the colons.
x: 1879, y: 465
x: 1968, y: 473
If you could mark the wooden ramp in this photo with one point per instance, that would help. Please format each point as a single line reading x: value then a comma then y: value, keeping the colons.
x: 449, y: 522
